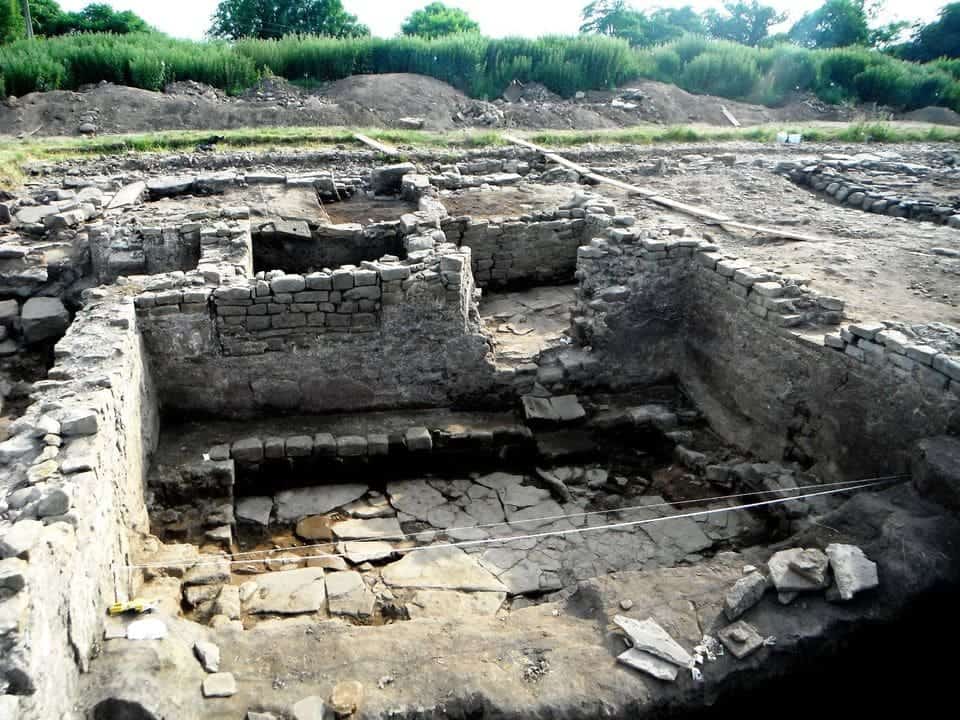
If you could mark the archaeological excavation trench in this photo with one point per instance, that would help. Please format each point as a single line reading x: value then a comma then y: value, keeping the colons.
x: 440, y: 439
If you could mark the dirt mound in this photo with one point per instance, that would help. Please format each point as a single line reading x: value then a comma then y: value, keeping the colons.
x: 383, y: 101
x: 938, y: 115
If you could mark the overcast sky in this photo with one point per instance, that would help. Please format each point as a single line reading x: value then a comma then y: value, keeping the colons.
x: 497, y: 18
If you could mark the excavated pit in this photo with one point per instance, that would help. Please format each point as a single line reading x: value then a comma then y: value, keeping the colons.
x: 351, y: 426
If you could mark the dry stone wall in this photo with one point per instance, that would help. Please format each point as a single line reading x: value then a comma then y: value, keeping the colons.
x: 749, y: 347
x: 72, y: 488
x: 386, y: 334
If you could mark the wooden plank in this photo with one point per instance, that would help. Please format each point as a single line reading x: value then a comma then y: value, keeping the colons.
x: 378, y: 146
x: 701, y: 213
x: 729, y: 116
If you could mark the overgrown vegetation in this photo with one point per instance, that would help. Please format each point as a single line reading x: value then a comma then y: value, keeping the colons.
x: 483, y: 67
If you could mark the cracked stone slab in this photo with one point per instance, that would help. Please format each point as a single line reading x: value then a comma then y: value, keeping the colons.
x: 302, y: 502
x: 650, y: 664
x: 521, y: 496
x: 289, y: 592
x: 454, y: 604
x: 415, y: 498
x: 648, y: 636
x: 442, y: 568
x: 367, y: 529
x: 852, y: 570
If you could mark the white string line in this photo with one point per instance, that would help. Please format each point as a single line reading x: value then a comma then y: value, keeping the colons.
x: 254, y: 554
x: 528, y: 536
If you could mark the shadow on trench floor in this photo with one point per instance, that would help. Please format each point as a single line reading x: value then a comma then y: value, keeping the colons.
x: 903, y: 667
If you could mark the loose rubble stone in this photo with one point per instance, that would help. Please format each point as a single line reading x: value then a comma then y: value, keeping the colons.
x: 208, y: 654
x: 43, y: 318
x: 219, y: 685
x: 741, y: 639
x: 744, y: 594
x: 347, y: 698
x: 786, y: 579
x: 649, y: 637
x: 310, y: 708
x: 811, y: 564
x: 650, y: 664
x: 852, y: 570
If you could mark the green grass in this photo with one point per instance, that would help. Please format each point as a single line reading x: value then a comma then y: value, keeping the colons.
x: 838, y: 132
x: 14, y: 153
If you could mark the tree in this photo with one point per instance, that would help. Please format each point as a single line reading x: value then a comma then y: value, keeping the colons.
x: 100, y: 17
x: 48, y: 18
x: 436, y: 20
x: 837, y: 23
x: 11, y: 21
x: 747, y: 23
x: 940, y: 38
x: 617, y: 18
x: 237, y: 19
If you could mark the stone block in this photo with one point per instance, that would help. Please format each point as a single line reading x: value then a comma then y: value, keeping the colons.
x: 43, y: 319
x: 418, y: 439
x: 324, y: 445
x: 247, y: 450
x: 351, y: 446
x: 299, y: 446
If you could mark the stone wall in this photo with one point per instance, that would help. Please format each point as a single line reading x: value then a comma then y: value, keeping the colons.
x: 534, y: 250
x: 72, y: 489
x: 296, y: 247
x: 386, y: 334
x: 749, y: 347
x: 830, y: 179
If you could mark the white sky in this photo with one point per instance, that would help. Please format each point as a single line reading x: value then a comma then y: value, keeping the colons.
x: 497, y: 18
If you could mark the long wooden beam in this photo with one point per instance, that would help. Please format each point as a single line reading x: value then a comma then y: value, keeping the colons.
x: 705, y: 214
x: 378, y: 146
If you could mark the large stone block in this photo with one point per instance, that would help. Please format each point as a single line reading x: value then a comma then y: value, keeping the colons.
x: 44, y: 318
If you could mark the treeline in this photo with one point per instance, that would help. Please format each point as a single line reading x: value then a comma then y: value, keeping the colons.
x: 483, y: 67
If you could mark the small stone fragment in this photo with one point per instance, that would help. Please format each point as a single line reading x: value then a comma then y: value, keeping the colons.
x: 310, y: 708
x: 208, y: 654
x: 219, y: 685
x: 347, y: 697
x: 786, y: 579
x: 650, y: 664
x: 741, y: 639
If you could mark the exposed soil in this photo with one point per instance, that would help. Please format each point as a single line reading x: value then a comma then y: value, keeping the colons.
x: 383, y: 100
x: 882, y: 266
